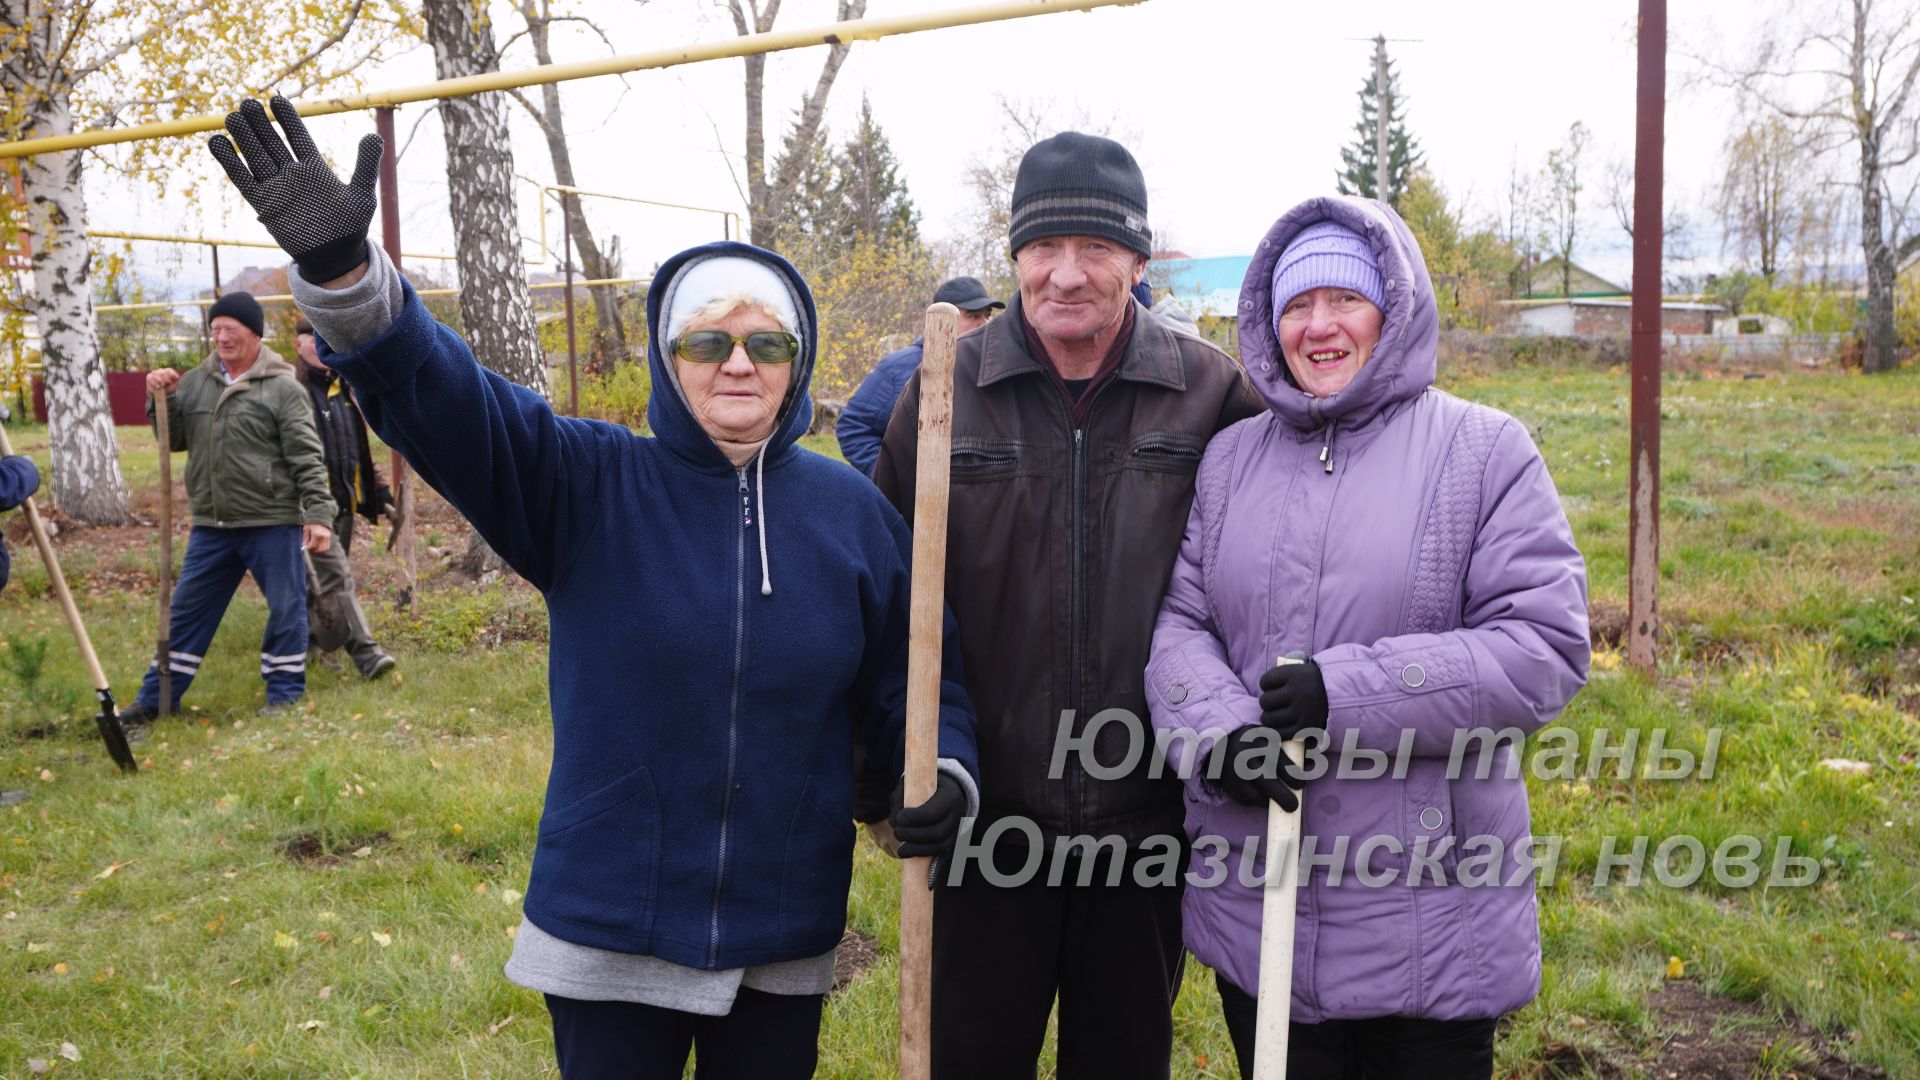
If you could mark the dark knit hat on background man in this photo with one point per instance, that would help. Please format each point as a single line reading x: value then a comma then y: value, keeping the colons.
x: 1080, y: 185
x: 243, y: 309
x: 1327, y: 254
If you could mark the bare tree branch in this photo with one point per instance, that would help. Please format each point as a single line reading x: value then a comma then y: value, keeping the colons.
x: 533, y: 111
x: 339, y: 34
x: 432, y: 110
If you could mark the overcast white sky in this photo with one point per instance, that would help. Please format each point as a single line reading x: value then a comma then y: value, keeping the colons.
x: 1235, y: 108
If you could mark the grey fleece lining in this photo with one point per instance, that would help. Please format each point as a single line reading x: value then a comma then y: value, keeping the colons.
x: 347, y: 319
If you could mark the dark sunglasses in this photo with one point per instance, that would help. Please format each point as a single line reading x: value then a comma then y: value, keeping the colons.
x: 714, y: 346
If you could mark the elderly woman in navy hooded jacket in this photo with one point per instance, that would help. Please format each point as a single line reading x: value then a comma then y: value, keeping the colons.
x: 729, y: 615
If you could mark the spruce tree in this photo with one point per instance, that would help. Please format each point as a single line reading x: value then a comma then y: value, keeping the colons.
x: 851, y: 193
x: 1359, y: 161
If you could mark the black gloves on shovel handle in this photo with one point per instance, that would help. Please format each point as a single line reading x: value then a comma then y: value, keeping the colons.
x: 932, y: 827
x: 319, y: 221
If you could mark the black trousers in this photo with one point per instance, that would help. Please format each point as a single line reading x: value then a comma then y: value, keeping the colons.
x: 1112, y: 954
x: 1379, y: 1048
x: 765, y: 1037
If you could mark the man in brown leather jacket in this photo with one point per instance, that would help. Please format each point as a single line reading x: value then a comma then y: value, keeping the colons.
x: 1078, y: 423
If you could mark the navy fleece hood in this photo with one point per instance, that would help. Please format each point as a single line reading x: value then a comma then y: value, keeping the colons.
x: 672, y: 421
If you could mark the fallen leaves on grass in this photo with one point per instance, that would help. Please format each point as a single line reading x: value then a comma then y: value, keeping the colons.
x: 69, y: 1051
x: 109, y: 871
x: 284, y: 940
x: 1676, y: 969
x: 312, y: 1025
x: 382, y: 940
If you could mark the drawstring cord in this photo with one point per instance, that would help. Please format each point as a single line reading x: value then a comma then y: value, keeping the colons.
x: 760, y: 484
x: 1326, y: 449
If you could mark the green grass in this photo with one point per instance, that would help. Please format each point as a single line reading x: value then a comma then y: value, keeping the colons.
x: 158, y: 924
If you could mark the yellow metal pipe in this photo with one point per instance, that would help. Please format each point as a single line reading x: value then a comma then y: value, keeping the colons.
x: 750, y: 45
x: 161, y: 305
x: 168, y: 238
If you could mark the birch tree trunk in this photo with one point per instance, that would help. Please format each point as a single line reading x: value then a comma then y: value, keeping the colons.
x: 86, y: 481
x: 494, y: 310
x: 1864, y: 71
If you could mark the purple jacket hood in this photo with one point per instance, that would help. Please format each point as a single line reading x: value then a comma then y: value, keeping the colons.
x: 1403, y: 363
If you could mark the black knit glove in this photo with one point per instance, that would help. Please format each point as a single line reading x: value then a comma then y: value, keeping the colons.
x: 1254, y: 785
x: 932, y: 827
x: 315, y: 218
x: 1293, y: 699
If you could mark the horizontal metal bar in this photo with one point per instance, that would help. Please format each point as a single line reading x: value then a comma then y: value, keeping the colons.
x: 284, y: 298
x: 749, y: 45
x: 216, y: 241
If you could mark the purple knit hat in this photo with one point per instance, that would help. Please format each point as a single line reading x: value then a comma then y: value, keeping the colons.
x: 1327, y: 253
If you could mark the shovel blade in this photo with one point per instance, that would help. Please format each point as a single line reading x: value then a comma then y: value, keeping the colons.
x: 114, y: 735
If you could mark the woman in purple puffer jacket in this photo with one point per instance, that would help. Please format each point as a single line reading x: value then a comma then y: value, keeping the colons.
x: 1412, y: 545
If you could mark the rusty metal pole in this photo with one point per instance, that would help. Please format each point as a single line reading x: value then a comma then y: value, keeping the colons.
x: 205, y: 344
x: 573, y: 351
x: 1643, y: 515
x: 390, y: 238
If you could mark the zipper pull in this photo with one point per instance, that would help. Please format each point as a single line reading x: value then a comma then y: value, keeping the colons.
x: 1326, y: 451
x: 746, y: 503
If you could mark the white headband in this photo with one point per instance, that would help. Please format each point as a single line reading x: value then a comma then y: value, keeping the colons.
x: 730, y: 275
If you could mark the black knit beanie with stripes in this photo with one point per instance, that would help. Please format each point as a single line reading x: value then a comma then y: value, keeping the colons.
x: 1080, y: 185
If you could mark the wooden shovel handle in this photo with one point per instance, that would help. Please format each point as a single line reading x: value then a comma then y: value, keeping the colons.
x: 59, y: 580
x: 923, y: 680
x: 162, y: 656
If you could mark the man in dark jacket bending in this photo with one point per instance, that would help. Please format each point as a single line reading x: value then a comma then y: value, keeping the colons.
x: 1078, y: 423
x: 356, y: 488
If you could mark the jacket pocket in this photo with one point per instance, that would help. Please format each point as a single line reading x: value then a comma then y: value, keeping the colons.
x: 816, y: 873
x: 974, y: 460
x: 598, y: 857
x: 1162, y: 452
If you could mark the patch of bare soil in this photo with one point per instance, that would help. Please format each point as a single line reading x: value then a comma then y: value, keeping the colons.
x: 1719, y: 1038
x: 856, y: 953
x: 1607, y: 624
x: 310, y: 850
x: 1566, y: 1060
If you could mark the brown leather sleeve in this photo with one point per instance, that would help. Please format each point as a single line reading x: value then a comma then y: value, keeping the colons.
x: 896, y: 471
x: 1243, y: 401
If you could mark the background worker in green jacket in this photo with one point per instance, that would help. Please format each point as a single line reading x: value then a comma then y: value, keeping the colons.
x: 356, y: 488
x: 258, y: 493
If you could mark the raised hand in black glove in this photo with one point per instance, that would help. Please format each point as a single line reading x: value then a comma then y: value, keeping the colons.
x: 314, y: 217
x: 1266, y: 777
x: 1293, y: 699
x: 932, y: 827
